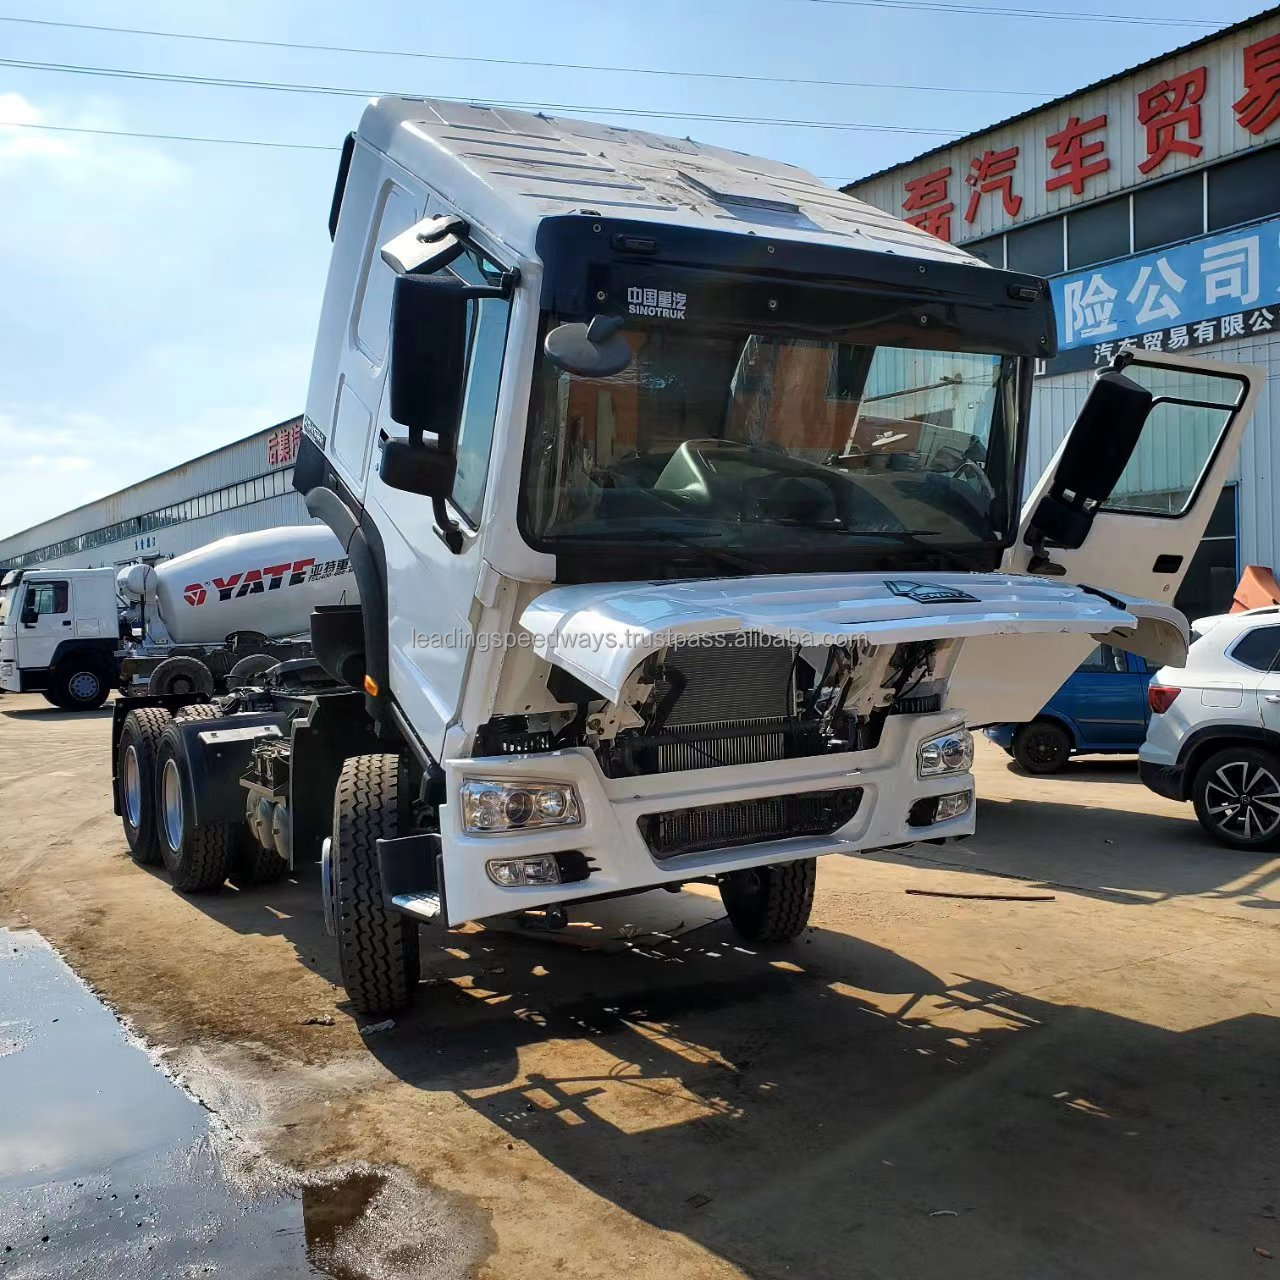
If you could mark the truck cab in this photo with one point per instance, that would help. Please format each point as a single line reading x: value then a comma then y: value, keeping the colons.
x: 685, y: 500
x: 59, y: 630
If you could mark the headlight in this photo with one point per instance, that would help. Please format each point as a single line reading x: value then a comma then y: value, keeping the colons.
x: 491, y: 807
x: 950, y: 752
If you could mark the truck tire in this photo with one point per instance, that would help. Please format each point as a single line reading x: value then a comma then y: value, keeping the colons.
x: 770, y: 904
x: 1042, y: 746
x: 249, y: 668
x: 79, y: 684
x: 377, y: 948
x: 136, y: 774
x: 252, y: 864
x: 197, y: 858
x: 181, y: 675
x: 198, y: 711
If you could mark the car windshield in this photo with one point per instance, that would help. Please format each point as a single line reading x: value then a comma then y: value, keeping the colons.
x: 773, y: 443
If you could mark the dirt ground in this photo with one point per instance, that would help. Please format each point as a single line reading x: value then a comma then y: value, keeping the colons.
x: 921, y: 1086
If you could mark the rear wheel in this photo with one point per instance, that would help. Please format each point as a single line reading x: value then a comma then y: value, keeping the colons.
x: 1041, y: 746
x: 197, y: 857
x: 250, y: 669
x: 79, y: 685
x: 1236, y: 794
x: 136, y: 780
x: 181, y: 674
x: 198, y: 711
x: 770, y: 904
x: 377, y: 948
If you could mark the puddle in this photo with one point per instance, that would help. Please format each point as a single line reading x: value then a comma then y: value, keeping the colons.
x: 107, y: 1168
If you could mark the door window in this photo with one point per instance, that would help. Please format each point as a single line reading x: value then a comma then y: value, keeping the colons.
x: 1258, y: 648
x: 488, y: 321
x: 398, y: 212
x: 1104, y: 660
x: 47, y: 597
x: 1192, y: 411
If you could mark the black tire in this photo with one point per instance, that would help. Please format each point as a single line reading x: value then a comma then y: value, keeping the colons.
x: 1041, y: 746
x: 197, y: 858
x: 79, y: 684
x: 181, y: 674
x: 1221, y: 782
x: 140, y: 738
x: 377, y: 948
x: 197, y: 711
x: 249, y: 668
x: 770, y: 904
x: 252, y: 864
x: 47, y: 695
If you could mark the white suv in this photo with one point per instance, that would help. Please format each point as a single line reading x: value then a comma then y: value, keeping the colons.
x: 1214, y: 735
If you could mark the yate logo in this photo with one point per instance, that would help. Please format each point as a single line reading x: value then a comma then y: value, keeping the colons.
x: 928, y: 592
x: 267, y: 579
x: 270, y: 578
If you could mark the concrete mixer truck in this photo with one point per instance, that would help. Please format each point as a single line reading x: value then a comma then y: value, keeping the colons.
x: 219, y: 614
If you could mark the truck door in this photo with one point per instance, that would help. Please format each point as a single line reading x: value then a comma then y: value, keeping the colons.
x: 1136, y: 540
x: 431, y: 590
x: 44, y: 622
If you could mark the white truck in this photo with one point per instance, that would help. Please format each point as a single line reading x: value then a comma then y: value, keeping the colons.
x: 640, y: 604
x: 228, y: 609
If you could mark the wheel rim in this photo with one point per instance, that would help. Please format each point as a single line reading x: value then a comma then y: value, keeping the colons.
x: 172, y: 805
x: 1042, y: 748
x: 749, y: 886
x: 132, y: 787
x: 182, y: 684
x: 83, y: 686
x: 1243, y: 800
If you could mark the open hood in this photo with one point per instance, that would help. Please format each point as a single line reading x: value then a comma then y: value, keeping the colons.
x: 600, y: 632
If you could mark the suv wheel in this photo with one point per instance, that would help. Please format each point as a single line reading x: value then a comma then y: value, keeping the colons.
x: 1236, y: 793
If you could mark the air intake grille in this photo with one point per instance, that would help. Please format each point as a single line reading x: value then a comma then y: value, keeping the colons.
x: 744, y: 822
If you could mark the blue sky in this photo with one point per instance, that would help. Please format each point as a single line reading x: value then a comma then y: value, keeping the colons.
x: 160, y: 298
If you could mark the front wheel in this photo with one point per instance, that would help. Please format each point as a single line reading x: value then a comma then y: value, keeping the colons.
x: 1236, y: 794
x: 770, y: 904
x: 1041, y: 746
x: 79, y: 686
x: 377, y: 947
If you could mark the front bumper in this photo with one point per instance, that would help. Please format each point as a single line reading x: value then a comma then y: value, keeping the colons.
x: 610, y: 837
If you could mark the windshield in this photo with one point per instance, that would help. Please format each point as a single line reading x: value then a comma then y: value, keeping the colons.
x: 772, y: 444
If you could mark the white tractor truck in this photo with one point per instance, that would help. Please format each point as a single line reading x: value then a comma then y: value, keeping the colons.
x: 599, y: 419
x: 224, y: 612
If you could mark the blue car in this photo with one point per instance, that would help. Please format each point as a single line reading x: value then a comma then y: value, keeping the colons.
x: 1102, y: 707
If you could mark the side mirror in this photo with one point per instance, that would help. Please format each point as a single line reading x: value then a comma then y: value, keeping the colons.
x: 417, y: 468
x: 1101, y: 442
x: 595, y: 350
x: 29, y: 615
x: 428, y: 355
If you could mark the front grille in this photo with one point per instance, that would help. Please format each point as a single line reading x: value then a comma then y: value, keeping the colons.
x: 744, y: 822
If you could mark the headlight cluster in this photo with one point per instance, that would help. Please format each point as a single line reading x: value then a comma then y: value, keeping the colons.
x: 950, y: 752
x: 492, y: 807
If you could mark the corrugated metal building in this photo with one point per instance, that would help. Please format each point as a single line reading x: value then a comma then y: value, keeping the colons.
x: 238, y: 488
x: 1151, y: 201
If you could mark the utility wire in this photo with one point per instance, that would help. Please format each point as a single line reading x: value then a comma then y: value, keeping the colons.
x: 228, y: 142
x: 168, y: 137
x: 220, y: 82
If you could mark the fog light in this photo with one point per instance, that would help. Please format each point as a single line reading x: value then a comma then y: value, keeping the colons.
x: 950, y: 752
x: 489, y: 807
x: 931, y: 809
x: 511, y: 873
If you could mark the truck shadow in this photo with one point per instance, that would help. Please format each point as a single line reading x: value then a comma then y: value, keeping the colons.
x: 49, y: 714
x: 1136, y: 859
x: 832, y: 1109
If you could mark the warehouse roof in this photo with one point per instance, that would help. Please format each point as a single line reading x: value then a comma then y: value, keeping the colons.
x: 1220, y: 34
